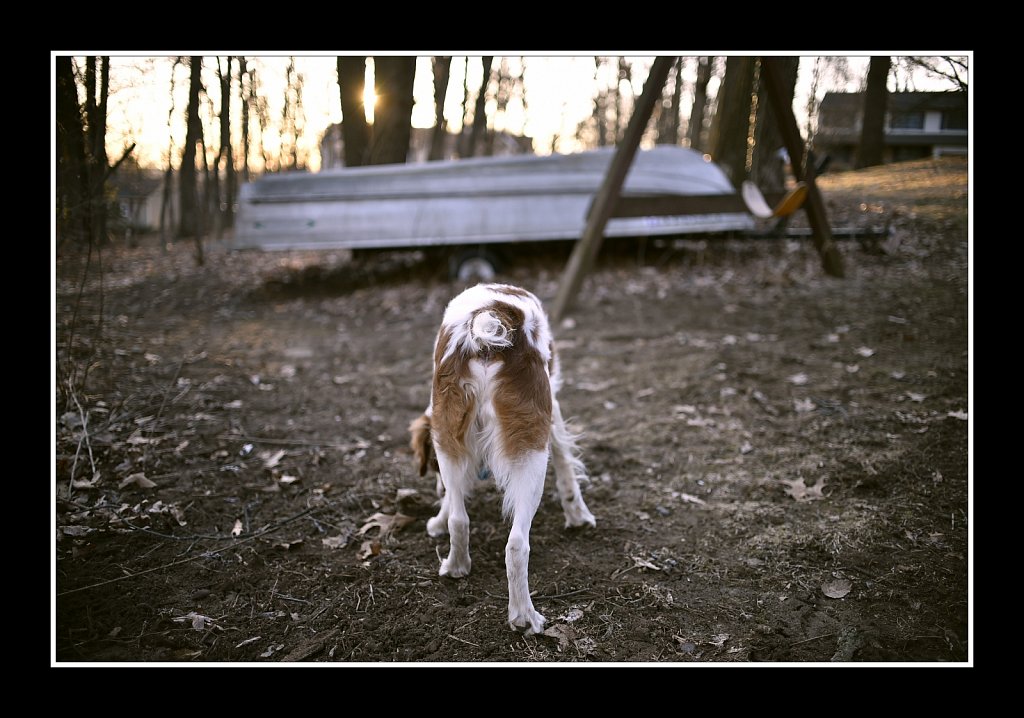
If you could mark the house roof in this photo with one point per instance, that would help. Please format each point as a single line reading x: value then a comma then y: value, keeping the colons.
x: 853, y: 102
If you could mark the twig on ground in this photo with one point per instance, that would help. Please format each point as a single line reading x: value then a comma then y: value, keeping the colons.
x: 815, y: 638
x: 85, y: 438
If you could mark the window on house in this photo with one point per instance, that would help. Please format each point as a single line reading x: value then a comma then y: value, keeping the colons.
x: 954, y: 120
x: 907, y: 121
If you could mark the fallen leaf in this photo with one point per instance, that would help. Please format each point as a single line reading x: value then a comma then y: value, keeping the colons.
x: 86, y: 483
x: 746, y: 448
x: 836, y: 588
x: 865, y: 352
x: 798, y: 379
x: 403, y: 494
x: 236, y: 404
x: 691, y: 499
x: 288, y: 371
x: 272, y: 650
x: 333, y: 542
x: 198, y: 620
x: 272, y: 460
x: 897, y: 375
x: 114, y: 632
x: 961, y: 415
x: 719, y: 639
x: 561, y: 633
x: 852, y: 368
x: 76, y: 530
x: 287, y: 479
x: 572, y: 616
x: 387, y: 523
x: 916, y: 397
x: 139, y: 480
x: 802, y: 406
x: 936, y: 477
x: 151, y: 358
x: 137, y: 438
x: 368, y: 549
x: 247, y: 641
x: 236, y: 530
x: 639, y: 562
x: 801, y: 492
x: 288, y: 545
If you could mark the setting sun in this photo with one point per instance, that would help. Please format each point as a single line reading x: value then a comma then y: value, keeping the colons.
x: 369, y: 101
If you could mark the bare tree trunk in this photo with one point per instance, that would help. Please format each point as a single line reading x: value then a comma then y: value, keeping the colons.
x: 72, y: 187
x: 695, y: 127
x: 463, y: 144
x: 242, y: 79
x: 292, y: 119
x: 767, y: 169
x: 621, y: 116
x: 355, y: 133
x: 668, y: 125
x: 227, y: 214
x: 442, y: 71
x: 731, y: 126
x: 202, y: 217
x: 187, y: 199
x: 394, y: 78
x: 600, y: 108
x: 479, y: 113
x: 95, y: 144
x: 872, y: 136
x: 166, y: 220
x: 211, y: 183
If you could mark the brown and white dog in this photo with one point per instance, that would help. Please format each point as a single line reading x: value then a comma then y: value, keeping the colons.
x: 493, y: 406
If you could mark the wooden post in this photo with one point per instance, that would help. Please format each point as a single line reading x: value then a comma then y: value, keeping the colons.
x: 803, y: 168
x: 586, y: 249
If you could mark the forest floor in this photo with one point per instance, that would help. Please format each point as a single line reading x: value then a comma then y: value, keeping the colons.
x: 778, y: 460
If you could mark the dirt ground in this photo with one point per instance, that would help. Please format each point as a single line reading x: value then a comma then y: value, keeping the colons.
x: 778, y: 460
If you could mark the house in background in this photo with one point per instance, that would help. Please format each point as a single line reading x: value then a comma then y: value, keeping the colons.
x: 918, y: 125
x: 502, y: 144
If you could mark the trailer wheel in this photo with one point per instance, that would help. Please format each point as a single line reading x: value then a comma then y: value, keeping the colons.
x: 474, y: 264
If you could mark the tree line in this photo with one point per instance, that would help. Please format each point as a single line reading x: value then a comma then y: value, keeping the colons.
x: 736, y: 127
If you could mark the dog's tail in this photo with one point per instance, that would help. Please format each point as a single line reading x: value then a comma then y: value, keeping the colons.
x: 488, y: 330
x: 420, y: 442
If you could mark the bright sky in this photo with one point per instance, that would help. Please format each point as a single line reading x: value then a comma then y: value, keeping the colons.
x: 559, y: 94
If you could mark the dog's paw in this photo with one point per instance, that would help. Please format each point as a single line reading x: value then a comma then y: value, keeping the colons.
x: 526, y: 621
x: 577, y: 514
x: 455, y: 569
x: 437, y: 527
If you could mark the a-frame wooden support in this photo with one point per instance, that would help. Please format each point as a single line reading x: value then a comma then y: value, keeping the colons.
x: 803, y: 167
x: 586, y: 249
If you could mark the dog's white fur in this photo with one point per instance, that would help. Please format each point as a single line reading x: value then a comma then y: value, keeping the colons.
x: 493, y: 406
